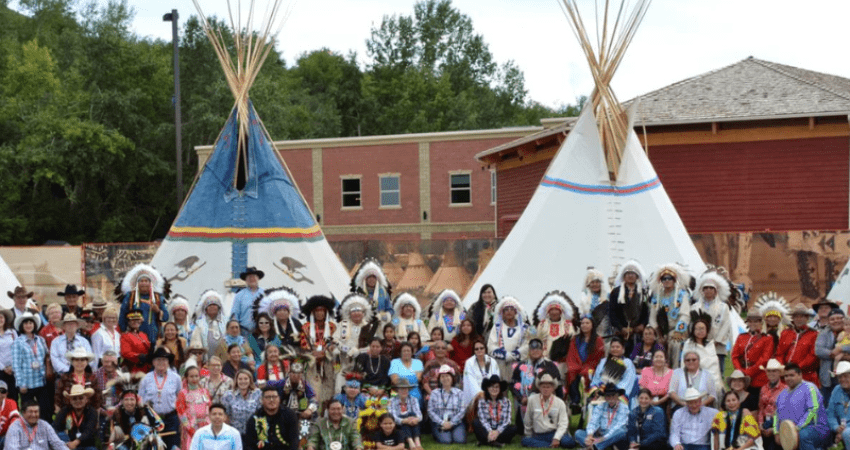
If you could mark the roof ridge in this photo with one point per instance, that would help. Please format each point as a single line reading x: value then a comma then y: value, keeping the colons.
x: 773, y: 66
x: 686, y: 80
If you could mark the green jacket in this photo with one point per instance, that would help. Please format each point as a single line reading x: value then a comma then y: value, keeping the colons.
x: 346, y: 434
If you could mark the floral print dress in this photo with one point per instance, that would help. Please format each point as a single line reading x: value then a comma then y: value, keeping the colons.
x: 193, y: 407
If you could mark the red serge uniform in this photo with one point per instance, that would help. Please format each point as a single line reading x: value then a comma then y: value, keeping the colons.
x: 8, y: 414
x: 134, y: 347
x: 750, y: 352
x: 800, y: 348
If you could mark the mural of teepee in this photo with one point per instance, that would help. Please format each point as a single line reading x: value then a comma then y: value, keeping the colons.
x: 416, y: 275
x: 449, y: 275
x: 600, y: 202
x: 244, y: 208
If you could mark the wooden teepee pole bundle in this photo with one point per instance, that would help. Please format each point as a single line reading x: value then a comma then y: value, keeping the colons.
x: 250, y: 52
x: 615, y: 29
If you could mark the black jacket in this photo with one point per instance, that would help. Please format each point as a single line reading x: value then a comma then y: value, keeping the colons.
x: 282, y: 430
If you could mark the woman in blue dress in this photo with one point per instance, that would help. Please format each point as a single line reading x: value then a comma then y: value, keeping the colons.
x: 407, y: 368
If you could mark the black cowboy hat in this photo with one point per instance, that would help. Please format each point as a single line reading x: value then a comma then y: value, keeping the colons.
x: 71, y: 289
x: 252, y: 271
x: 491, y: 380
x: 162, y: 352
x: 19, y: 290
x: 613, y: 389
x: 316, y: 301
x: 824, y: 301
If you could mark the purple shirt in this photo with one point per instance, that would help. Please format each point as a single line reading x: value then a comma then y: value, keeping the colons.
x: 804, y: 406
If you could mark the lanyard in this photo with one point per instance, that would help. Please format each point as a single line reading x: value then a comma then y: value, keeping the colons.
x: 498, y: 415
x: 30, y: 437
x: 77, y: 423
x: 547, y: 408
x: 159, y: 385
x: 611, y: 416
x: 34, y: 347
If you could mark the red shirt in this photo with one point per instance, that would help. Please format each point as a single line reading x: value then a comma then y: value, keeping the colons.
x: 800, y: 348
x: 8, y: 414
x: 576, y: 368
x: 460, y: 353
x: 49, y: 333
x: 750, y: 352
x: 134, y: 345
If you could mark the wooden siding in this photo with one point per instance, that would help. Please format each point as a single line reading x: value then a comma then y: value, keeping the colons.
x: 799, y: 184
x: 515, y: 187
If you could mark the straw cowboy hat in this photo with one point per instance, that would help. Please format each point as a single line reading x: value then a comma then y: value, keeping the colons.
x: 78, y: 390
x: 843, y: 367
x: 71, y: 317
x: 546, y: 378
x: 79, y: 353
x: 738, y: 375
x: 27, y: 316
x: 403, y: 383
x: 692, y: 394
x: 196, y: 346
x: 773, y: 364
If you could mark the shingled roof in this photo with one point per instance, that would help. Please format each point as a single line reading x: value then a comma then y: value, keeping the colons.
x: 751, y: 89
x: 747, y: 90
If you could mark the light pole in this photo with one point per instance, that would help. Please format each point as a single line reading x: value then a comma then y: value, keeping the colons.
x: 172, y: 17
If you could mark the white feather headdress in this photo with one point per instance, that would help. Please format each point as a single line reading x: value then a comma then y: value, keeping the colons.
x: 631, y: 266
x: 770, y: 303
x: 282, y: 296
x: 407, y: 299
x: 506, y: 301
x: 712, y: 278
x: 355, y: 300
x: 556, y: 298
x: 369, y: 266
x: 675, y: 270
x: 143, y: 271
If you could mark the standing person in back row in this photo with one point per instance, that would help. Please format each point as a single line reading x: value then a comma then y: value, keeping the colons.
x: 712, y: 293
x: 144, y: 288
x: 243, y: 301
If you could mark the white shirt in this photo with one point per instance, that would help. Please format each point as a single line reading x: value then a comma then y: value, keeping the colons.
x: 58, y: 349
x: 227, y: 439
x: 688, y: 428
x: 102, y: 341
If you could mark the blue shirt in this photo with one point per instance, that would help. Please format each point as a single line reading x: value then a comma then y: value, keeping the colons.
x: 839, y: 408
x: 653, y: 426
x: 602, y: 413
x: 163, y: 402
x: 243, y: 307
x: 23, y: 358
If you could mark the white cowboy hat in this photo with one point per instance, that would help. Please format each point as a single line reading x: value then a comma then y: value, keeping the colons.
x: 79, y: 353
x: 843, y: 367
x: 78, y: 390
x: 546, y: 378
x: 25, y: 316
x: 773, y: 364
x: 692, y: 394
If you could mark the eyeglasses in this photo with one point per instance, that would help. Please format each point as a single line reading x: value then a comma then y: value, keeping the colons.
x: 3, y: 391
x: 690, y: 359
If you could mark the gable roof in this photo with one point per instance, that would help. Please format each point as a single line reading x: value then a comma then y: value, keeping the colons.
x: 747, y: 90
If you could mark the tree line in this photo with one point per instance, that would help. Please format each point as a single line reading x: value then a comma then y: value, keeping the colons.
x: 86, y: 107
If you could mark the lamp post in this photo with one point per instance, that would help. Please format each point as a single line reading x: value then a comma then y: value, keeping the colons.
x: 172, y: 17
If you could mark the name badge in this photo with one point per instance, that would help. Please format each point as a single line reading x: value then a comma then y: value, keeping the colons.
x: 649, y: 417
x: 36, y: 365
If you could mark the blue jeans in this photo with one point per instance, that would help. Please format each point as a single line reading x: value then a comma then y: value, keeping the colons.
x: 811, y: 438
x: 409, y: 431
x: 456, y: 435
x: 544, y: 440
x: 63, y: 436
x: 696, y: 447
x: 618, y: 438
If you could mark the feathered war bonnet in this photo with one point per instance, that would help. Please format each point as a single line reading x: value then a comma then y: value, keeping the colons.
x: 178, y: 302
x: 555, y: 299
x: 404, y: 299
x: 593, y: 274
x: 717, y: 281
x: 131, y: 279
x: 208, y: 298
x: 674, y: 270
x: 505, y: 302
x: 123, y: 384
x: 771, y: 304
x: 634, y: 267
x: 370, y: 266
x: 436, y: 308
x: 353, y: 302
x: 277, y: 298
x: 309, y: 306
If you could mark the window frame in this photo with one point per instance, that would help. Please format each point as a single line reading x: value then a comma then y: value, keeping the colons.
x: 382, y: 191
x: 452, y: 189
x: 343, y: 192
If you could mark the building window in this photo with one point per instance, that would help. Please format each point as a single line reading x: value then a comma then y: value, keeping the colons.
x: 492, y: 187
x: 390, y: 190
x: 351, y: 192
x: 461, y: 188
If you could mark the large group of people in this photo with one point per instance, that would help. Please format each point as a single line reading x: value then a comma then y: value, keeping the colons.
x: 634, y: 364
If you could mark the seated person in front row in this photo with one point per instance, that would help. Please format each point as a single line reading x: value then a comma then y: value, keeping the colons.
x: 76, y: 424
x: 492, y: 425
x: 608, y: 422
x: 691, y: 425
x: 546, y: 418
x: 31, y: 433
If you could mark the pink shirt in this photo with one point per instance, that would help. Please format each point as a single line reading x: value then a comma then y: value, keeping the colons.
x: 657, y: 385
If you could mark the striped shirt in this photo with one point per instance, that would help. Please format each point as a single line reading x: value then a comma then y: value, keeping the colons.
x: 411, y: 409
x: 227, y: 439
x: 25, y: 352
x: 446, y: 406
x: 19, y: 435
x: 164, y: 400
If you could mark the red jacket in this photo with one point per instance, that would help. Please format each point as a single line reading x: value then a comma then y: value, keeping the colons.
x: 8, y: 414
x: 576, y: 368
x: 135, y: 349
x: 752, y: 351
x: 800, y: 348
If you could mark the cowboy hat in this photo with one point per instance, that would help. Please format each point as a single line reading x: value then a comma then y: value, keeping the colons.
x: 403, y: 383
x: 824, y: 301
x: 71, y: 289
x: 801, y: 309
x: 773, y: 364
x: 71, y: 317
x: 546, y: 378
x: 738, y: 375
x: 692, y: 394
x: 252, y: 271
x: 79, y: 353
x: 99, y: 302
x: 612, y: 389
x: 27, y: 316
x: 162, y: 352
x: 843, y: 367
x: 494, y: 379
x: 78, y: 390
x: 196, y: 346
x: 19, y: 290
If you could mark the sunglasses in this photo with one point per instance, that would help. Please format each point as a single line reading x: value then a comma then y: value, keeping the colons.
x: 667, y: 279
x: 3, y: 391
x: 535, y: 345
